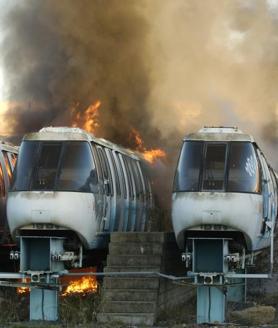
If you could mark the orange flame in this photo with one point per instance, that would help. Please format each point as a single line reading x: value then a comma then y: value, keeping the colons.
x: 150, y: 155
x: 23, y: 290
x: 89, y: 120
x: 83, y: 285
x: 80, y: 285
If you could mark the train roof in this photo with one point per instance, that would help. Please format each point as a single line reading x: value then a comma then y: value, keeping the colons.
x: 75, y: 134
x: 4, y: 145
x: 219, y: 134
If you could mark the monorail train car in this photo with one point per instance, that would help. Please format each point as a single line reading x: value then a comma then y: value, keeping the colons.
x: 8, y: 156
x: 224, y: 188
x: 69, y: 184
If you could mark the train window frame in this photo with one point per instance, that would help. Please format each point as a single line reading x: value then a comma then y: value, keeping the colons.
x: 36, y: 168
x: 121, y: 170
x: 199, y: 180
x: 97, y: 162
x: 258, y: 173
x: 2, y: 182
x: 91, y: 181
x: 118, y: 190
x: 131, y: 183
x: 226, y: 167
x: 8, y: 165
x: 12, y: 158
x: 105, y: 164
x: 203, y: 166
x: 135, y: 178
x: 28, y: 185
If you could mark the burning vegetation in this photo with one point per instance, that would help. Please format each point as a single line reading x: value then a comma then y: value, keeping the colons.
x: 79, y: 285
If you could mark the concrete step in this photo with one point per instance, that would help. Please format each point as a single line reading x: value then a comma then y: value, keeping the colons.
x: 133, y: 248
x: 130, y: 283
x: 128, y: 307
x: 133, y: 260
x: 145, y: 237
x: 132, y: 269
x: 129, y: 295
x: 146, y: 319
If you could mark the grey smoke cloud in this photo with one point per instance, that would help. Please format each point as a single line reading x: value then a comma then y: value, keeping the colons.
x: 163, y: 67
x: 216, y: 64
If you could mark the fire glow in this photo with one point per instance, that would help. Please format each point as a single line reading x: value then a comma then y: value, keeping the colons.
x: 80, y: 285
x: 83, y: 285
x: 89, y: 120
x: 150, y: 155
x: 23, y: 290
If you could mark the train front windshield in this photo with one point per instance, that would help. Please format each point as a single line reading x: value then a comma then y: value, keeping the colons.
x: 205, y: 166
x: 59, y: 166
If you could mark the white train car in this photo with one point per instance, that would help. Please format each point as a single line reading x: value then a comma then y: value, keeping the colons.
x: 224, y: 187
x: 8, y: 156
x: 69, y: 184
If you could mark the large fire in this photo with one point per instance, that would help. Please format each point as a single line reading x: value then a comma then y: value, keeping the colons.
x: 80, y: 285
x: 150, y: 155
x: 89, y: 120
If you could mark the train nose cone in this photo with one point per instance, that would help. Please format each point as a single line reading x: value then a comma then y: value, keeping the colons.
x: 211, y: 216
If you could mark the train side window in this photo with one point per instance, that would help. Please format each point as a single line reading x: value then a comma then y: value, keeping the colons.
x: 117, y: 180
x: 135, y: 177
x: 243, y: 169
x: 122, y: 175
x: 12, y: 159
x: 97, y: 160
x: 189, y: 166
x: 46, y: 170
x: 106, y: 171
x: 8, y: 165
x: 130, y: 183
x: 143, y: 179
x: 138, y: 178
x: 77, y: 169
x: 214, y: 167
x: 25, y: 165
x: 2, y: 182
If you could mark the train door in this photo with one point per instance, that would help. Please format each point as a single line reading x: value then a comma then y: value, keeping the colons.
x: 144, y: 198
x: 108, y: 190
x: 132, y: 194
x: 117, y: 199
x: 124, y: 196
x: 100, y: 196
x: 267, y: 193
x: 139, y: 195
x: 138, y: 203
x: 122, y: 189
x: 5, y: 179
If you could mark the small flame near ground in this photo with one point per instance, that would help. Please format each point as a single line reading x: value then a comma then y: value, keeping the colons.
x: 80, y: 285
x: 150, y: 155
x: 87, y: 120
x: 23, y: 290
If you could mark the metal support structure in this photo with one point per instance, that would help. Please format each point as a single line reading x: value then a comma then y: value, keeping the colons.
x: 211, y: 304
x: 43, y: 304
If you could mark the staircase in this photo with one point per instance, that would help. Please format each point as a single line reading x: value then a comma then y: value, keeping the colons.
x: 132, y: 300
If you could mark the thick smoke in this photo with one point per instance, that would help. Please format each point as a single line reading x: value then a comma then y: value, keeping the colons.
x: 164, y: 68
x: 61, y: 53
x: 216, y: 64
